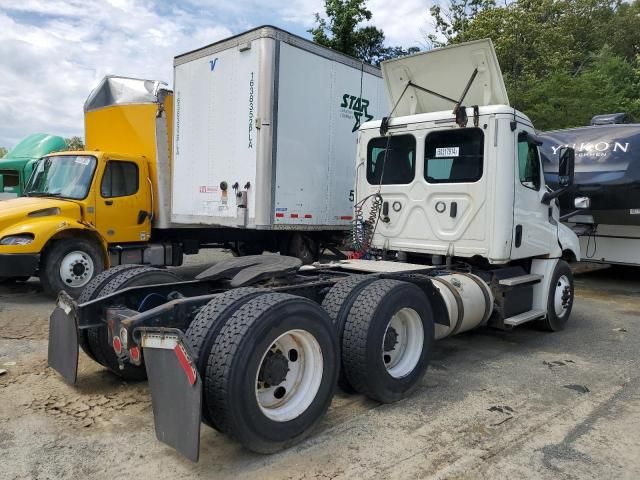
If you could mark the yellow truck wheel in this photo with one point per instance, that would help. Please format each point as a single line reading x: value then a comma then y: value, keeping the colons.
x: 69, y: 265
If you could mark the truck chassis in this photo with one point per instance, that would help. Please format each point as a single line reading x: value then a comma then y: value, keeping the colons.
x: 255, y: 346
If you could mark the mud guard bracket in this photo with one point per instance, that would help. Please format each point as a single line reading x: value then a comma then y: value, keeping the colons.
x: 176, y: 389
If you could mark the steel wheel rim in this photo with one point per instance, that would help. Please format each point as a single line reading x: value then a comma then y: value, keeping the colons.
x: 402, y: 350
x: 294, y: 394
x: 562, y: 296
x: 76, y: 269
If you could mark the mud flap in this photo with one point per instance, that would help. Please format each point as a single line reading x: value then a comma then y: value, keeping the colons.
x: 176, y: 389
x: 63, y: 342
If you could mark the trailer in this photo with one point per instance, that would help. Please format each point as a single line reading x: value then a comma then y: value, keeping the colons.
x: 460, y: 231
x: 251, y: 152
x: 607, y: 187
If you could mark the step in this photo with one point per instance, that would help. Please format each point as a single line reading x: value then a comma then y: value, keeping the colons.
x: 522, y: 279
x: 524, y: 317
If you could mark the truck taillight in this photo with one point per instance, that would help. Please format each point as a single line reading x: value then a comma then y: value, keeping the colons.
x: 117, y: 344
x: 134, y: 355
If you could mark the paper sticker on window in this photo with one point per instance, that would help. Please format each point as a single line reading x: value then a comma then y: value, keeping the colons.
x: 447, y: 152
x: 82, y: 160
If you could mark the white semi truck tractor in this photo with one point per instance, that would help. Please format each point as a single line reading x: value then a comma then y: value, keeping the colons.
x: 456, y: 230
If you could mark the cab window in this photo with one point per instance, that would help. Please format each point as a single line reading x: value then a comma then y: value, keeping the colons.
x: 120, y: 179
x: 528, y: 163
x: 454, y: 156
x: 391, y: 160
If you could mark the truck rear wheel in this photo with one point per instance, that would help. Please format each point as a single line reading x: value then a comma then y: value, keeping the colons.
x: 91, y: 292
x: 206, y: 326
x: 337, y: 304
x: 272, y: 371
x: 98, y: 338
x: 560, y: 299
x: 69, y: 265
x: 387, y: 340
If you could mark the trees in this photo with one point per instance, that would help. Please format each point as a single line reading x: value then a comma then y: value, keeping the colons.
x: 74, y: 143
x: 563, y: 60
x: 340, y: 30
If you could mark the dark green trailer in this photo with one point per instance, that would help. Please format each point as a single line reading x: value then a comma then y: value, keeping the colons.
x: 17, y: 164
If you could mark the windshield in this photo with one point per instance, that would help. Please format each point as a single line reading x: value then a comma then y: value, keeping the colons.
x: 67, y: 176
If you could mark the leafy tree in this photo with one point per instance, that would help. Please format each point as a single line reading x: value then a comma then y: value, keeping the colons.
x: 74, y: 143
x: 341, y: 31
x: 3, y: 152
x: 563, y: 61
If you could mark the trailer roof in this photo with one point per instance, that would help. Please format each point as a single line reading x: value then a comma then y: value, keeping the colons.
x: 269, y: 31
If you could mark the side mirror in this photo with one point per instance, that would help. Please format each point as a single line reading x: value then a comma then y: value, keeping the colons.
x: 582, y: 203
x: 567, y: 161
x: 566, y: 169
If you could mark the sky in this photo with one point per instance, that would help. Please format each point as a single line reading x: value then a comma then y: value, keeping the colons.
x: 53, y: 52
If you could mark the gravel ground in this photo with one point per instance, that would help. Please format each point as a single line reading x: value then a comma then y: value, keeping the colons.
x: 519, y: 404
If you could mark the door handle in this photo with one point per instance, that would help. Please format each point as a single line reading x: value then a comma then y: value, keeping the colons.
x: 453, y: 211
x: 108, y: 202
x: 518, y: 239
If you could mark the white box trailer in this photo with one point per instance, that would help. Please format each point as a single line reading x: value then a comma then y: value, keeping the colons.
x: 266, y: 131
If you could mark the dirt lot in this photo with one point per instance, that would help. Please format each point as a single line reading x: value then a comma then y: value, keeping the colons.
x: 519, y: 404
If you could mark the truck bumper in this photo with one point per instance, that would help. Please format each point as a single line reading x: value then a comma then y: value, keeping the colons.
x: 19, y: 264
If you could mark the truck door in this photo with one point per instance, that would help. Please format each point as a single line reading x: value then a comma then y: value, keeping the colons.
x: 535, y: 232
x: 123, y: 202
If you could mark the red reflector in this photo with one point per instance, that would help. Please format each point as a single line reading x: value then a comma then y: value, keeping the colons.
x: 294, y: 215
x: 134, y: 353
x: 308, y: 215
x: 185, y: 363
x: 346, y: 217
x: 117, y: 344
x: 279, y: 215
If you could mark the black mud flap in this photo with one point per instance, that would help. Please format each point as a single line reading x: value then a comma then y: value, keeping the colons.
x: 63, y: 340
x: 176, y: 389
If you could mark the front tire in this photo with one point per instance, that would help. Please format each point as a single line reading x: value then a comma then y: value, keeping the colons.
x: 272, y: 371
x: 70, y: 265
x: 560, y: 298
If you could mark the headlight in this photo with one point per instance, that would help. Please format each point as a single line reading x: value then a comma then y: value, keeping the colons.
x: 21, y: 239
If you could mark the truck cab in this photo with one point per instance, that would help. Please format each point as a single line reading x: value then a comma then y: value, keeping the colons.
x: 16, y: 166
x: 84, y: 211
x: 463, y: 184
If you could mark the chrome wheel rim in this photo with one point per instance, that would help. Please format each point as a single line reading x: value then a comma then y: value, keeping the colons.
x: 76, y: 269
x: 289, y: 375
x: 562, y: 296
x: 402, y: 343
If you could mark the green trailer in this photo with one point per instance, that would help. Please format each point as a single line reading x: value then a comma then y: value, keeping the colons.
x: 17, y: 164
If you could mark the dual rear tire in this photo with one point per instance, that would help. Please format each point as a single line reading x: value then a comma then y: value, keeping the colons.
x: 269, y: 365
x: 386, y: 333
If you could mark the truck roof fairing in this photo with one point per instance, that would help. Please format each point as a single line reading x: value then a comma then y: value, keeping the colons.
x: 115, y: 90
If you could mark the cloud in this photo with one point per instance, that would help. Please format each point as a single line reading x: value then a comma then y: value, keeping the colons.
x: 53, y: 52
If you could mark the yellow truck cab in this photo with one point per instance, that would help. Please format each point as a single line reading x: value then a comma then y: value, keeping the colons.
x: 79, y: 204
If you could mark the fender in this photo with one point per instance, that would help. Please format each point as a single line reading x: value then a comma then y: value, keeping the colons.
x: 568, y: 241
x: 45, y: 229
